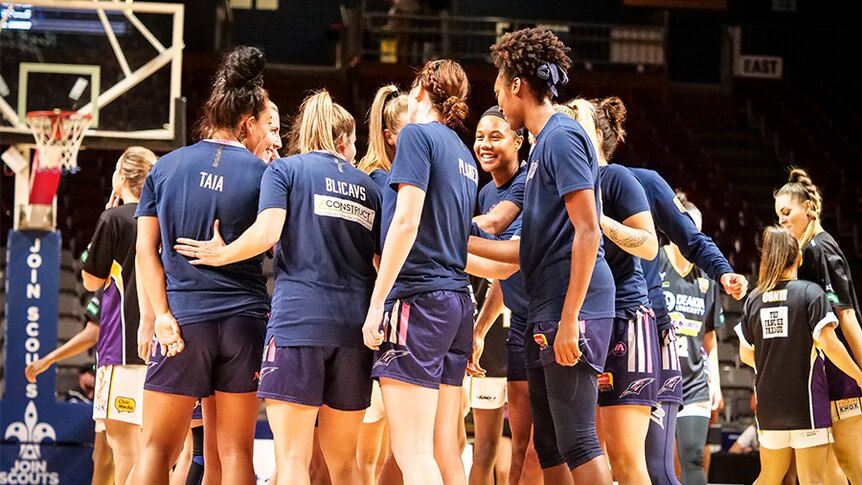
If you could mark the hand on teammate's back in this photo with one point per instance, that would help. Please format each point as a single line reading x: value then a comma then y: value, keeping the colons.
x: 736, y: 285
x: 205, y: 253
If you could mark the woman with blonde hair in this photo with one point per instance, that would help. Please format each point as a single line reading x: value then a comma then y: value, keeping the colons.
x: 108, y: 264
x: 386, y: 118
x: 324, y: 215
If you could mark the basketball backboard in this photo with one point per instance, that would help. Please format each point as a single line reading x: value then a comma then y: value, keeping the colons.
x: 119, y: 62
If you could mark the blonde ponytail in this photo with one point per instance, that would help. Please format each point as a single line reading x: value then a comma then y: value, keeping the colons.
x: 319, y: 124
x: 388, y: 105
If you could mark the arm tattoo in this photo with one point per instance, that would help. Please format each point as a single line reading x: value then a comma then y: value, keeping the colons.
x: 620, y: 234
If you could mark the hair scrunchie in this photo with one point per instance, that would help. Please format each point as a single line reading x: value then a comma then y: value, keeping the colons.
x: 554, y: 75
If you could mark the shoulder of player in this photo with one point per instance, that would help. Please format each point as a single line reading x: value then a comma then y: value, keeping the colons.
x: 421, y: 131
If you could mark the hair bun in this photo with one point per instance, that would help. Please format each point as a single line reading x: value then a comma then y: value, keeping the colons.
x: 799, y: 175
x: 454, y: 111
x: 243, y: 67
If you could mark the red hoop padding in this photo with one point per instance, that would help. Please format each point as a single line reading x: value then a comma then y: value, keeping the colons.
x: 58, y: 136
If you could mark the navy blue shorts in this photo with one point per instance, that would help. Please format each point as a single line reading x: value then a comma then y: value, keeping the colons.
x: 632, y: 367
x: 671, y: 372
x: 594, y: 338
x: 220, y: 355
x: 338, y: 377
x: 427, y: 339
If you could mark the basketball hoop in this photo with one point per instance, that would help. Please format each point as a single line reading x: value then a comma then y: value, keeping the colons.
x: 58, y: 137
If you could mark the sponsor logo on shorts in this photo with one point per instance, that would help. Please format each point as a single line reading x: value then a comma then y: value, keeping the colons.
x: 540, y: 339
x: 620, y: 349
x: 606, y: 382
x: 125, y: 404
x: 657, y: 416
x: 637, y: 386
x: 670, y: 384
x: 848, y: 407
x: 264, y: 371
x: 485, y: 397
x: 389, y: 356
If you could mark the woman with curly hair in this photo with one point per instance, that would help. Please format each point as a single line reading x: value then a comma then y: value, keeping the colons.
x: 568, y: 281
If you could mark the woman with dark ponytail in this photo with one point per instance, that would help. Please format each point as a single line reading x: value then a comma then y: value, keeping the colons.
x: 798, y: 205
x: 787, y: 327
x: 420, y: 317
x: 210, y: 322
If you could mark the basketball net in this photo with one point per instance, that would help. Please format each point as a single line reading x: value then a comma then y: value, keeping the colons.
x: 58, y: 137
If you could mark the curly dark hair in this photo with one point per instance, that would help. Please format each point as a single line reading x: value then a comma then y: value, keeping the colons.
x: 520, y: 53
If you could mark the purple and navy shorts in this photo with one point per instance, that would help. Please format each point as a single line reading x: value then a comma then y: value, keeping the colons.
x: 594, y: 337
x: 632, y: 369
x: 671, y: 372
x: 428, y: 338
x: 220, y: 355
x: 338, y: 377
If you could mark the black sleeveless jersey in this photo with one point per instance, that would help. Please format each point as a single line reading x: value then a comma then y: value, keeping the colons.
x: 694, y: 308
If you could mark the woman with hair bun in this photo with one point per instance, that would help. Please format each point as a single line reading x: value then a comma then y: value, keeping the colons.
x: 209, y: 322
x: 324, y: 215
x: 630, y: 383
x: 420, y: 319
x: 798, y: 205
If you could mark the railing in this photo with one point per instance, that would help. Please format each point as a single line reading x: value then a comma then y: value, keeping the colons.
x: 414, y: 39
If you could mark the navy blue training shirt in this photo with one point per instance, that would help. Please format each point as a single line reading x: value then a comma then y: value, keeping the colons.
x: 671, y: 219
x: 623, y: 197
x: 324, y: 269
x: 430, y: 156
x: 514, y: 293
x: 380, y: 177
x: 562, y: 162
x: 188, y: 189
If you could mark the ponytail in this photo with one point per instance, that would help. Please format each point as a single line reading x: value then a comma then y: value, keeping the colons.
x: 800, y: 187
x: 610, y: 116
x: 584, y: 113
x: 446, y: 84
x: 134, y: 164
x: 780, y: 252
x: 388, y: 105
x: 319, y: 123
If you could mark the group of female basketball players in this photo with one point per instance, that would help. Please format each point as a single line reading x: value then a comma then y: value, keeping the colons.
x: 372, y: 316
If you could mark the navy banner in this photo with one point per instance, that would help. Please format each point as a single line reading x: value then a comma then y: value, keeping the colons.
x: 44, y: 441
